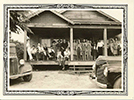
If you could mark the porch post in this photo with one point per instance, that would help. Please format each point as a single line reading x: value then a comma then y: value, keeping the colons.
x: 71, y: 42
x: 105, y: 41
x: 25, y: 42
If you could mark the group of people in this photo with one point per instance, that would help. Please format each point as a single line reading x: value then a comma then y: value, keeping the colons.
x: 58, y: 51
x: 41, y: 52
x: 114, y: 47
x: 82, y: 49
x: 85, y: 49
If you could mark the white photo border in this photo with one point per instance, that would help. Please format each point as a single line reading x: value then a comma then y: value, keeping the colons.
x: 6, y: 7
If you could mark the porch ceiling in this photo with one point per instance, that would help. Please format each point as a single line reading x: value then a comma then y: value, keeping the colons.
x: 78, y: 33
x: 52, y: 32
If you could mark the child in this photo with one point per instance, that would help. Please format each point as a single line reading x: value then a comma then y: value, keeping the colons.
x: 59, y: 57
x: 67, y: 54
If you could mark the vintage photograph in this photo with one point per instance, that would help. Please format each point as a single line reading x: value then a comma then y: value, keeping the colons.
x: 65, y: 49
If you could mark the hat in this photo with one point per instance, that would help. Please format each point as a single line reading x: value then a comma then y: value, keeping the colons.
x: 53, y: 41
x: 59, y: 40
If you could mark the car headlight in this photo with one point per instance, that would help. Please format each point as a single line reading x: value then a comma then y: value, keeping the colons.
x: 105, y: 71
x: 22, y: 62
x: 93, y: 67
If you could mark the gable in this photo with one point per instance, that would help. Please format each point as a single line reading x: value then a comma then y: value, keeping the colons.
x: 48, y: 18
x: 92, y: 16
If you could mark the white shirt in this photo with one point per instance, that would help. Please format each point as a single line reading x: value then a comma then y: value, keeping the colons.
x: 100, y: 44
x: 67, y: 53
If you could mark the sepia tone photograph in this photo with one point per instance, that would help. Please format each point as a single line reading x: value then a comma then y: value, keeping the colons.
x: 65, y: 49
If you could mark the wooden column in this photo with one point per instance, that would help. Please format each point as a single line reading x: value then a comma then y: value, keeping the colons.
x: 25, y: 42
x: 71, y: 43
x: 105, y: 41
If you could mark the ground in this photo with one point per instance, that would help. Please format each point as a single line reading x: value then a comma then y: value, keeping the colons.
x: 55, y: 80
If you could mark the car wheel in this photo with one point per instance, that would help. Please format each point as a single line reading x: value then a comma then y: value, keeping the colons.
x: 27, y: 78
x: 117, y: 84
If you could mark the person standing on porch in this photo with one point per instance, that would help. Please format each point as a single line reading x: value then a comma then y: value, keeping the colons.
x: 64, y: 46
x: 115, y: 47
x: 54, y: 48
x: 34, y: 52
x: 59, y: 55
x: 94, y: 51
x: 79, y: 49
x: 111, y: 47
x: 74, y: 48
x: 28, y: 48
x: 45, y: 51
x: 100, y: 46
x: 83, y: 50
x: 118, y: 46
x: 88, y: 50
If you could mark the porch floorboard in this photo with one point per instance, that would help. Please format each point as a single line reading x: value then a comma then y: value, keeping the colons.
x: 70, y: 63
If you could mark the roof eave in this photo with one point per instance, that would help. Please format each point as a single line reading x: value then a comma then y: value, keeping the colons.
x: 63, y: 17
x: 103, y: 13
x: 58, y: 14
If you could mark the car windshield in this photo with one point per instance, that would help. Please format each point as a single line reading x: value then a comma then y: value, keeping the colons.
x: 13, y: 51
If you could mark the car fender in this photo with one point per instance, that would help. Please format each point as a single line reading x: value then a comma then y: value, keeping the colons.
x: 118, y: 76
x: 112, y: 77
x: 25, y: 68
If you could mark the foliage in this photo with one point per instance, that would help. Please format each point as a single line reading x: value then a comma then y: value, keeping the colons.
x: 16, y: 21
x: 19, y: 49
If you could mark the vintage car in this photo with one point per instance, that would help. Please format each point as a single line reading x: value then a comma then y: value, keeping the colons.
x: 18, y: 68
x: 107, y: 71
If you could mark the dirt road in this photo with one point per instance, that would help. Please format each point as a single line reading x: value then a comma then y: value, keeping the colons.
x: 55, y: 80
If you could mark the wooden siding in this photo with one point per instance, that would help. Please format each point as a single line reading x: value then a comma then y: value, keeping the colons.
x: 48, y: 18
x: 92, y: 16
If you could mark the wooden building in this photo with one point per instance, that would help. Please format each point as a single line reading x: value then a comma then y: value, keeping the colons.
x: 71, y: 24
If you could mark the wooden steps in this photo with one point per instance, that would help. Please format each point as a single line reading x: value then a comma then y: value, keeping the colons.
x: 80, y: 69
x: 81, y: 63
x: 81, y: 66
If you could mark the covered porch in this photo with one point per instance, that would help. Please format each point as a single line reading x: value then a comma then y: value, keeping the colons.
x: 62, y: 28
x: 70, y: 34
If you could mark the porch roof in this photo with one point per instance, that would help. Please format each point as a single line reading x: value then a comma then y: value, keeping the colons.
x: 90, y: 17
x: 53, y: 11
x: 81, y: 17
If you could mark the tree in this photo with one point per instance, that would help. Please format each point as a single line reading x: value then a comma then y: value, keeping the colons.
x: 16, y: 23
x: 16, y: 20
